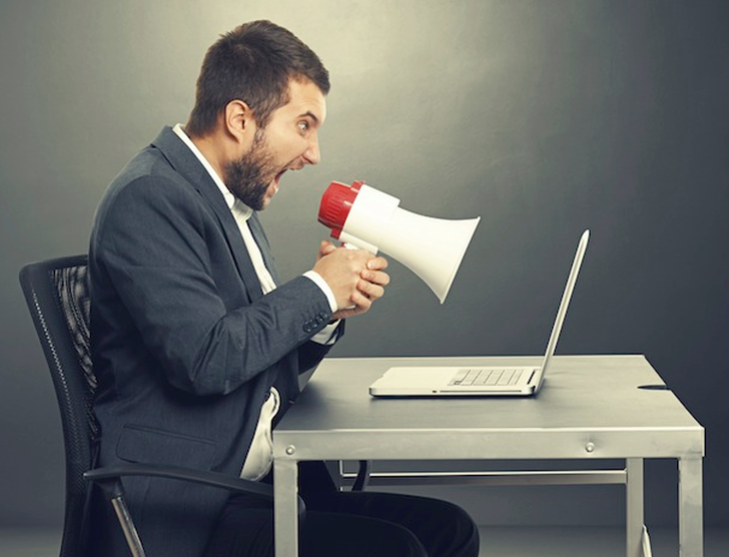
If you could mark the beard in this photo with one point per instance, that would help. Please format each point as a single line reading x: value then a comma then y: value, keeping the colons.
x: 249, y: 177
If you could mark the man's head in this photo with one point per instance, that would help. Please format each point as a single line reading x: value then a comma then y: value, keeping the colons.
x: 259, y: 104
x: 253, y: 63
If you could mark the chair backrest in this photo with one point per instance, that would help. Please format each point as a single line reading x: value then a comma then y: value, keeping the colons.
x: 57, y: 295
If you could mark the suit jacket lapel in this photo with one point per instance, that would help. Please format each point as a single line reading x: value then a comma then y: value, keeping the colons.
x: 184, y: 161
x: 262, y: 240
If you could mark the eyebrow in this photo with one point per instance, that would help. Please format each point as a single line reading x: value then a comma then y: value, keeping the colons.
x: 311, y: 115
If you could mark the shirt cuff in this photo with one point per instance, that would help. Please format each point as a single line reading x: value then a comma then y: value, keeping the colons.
x: 327, y: 335
x: 321, y: 283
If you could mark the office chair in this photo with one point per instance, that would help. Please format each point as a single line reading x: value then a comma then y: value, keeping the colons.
x: 57, y: 295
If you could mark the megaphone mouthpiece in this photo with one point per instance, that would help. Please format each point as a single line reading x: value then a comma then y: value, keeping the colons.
x: 336, y: 203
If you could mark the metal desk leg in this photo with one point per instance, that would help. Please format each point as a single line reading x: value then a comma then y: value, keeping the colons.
x: 285, y: 507
x: 634, y: 507
x: 690, y: 507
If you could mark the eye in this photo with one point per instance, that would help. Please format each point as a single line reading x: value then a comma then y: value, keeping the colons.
x: 304, y: 126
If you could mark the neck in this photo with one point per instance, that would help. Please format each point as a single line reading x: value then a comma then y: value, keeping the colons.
x: 211, y: 150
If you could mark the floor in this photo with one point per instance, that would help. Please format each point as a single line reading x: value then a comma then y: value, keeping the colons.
x: 495, y: 542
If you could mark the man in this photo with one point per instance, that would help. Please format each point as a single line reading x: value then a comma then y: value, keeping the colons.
x: 197, y: 346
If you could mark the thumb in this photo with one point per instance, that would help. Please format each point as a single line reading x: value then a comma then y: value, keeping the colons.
x: 326, y: 247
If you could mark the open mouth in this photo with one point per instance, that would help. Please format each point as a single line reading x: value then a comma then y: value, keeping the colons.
x: 277, y: 180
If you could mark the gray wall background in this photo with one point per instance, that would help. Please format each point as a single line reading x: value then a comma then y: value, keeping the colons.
x: 545, y: 117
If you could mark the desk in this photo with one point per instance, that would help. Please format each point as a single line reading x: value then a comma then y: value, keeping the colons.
x: 590, y: 407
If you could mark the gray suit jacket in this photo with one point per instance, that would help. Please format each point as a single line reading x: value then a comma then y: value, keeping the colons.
x: 185, y: 346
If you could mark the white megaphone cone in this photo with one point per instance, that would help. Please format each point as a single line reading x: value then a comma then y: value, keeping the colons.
x: 372, y: 220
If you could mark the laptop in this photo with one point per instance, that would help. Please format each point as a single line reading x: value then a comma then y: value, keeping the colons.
x: 480, y: 381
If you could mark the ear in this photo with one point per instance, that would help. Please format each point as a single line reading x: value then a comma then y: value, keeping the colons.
x: 238, y: 122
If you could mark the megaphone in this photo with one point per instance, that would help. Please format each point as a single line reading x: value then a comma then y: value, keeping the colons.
x: 372, y: 220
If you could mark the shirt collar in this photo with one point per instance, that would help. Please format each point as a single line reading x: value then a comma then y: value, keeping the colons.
x: 230, y: 199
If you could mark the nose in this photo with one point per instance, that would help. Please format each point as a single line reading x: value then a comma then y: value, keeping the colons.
x: 312, y: 155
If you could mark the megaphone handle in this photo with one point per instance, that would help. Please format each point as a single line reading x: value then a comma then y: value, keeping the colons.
x: 353, y: 242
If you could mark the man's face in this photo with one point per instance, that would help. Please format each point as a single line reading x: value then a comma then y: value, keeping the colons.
x: 289, y: 142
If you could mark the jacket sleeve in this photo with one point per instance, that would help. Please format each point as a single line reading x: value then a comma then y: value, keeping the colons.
x: 163, y: 250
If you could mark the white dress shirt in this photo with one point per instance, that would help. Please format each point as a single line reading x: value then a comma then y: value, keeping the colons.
x: 260, y: 456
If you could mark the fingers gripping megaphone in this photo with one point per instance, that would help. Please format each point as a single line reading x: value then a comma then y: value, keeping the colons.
x: 372, y: 220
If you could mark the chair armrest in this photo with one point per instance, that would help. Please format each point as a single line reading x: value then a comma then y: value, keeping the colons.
x: 363, y: 475
x: 109, y: 481
x: 103, y: 476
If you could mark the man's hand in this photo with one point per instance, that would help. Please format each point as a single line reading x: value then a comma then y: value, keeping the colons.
x: 356, y: 277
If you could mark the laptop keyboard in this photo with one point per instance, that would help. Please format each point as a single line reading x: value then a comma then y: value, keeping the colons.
x: 487, y: 376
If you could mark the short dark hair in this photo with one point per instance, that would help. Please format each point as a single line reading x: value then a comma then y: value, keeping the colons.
x: 253, y: 63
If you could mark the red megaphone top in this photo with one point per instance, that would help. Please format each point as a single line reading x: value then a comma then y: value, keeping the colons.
x: 336, y: 203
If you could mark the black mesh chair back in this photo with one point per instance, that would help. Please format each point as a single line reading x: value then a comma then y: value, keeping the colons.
x: 57, y: 295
